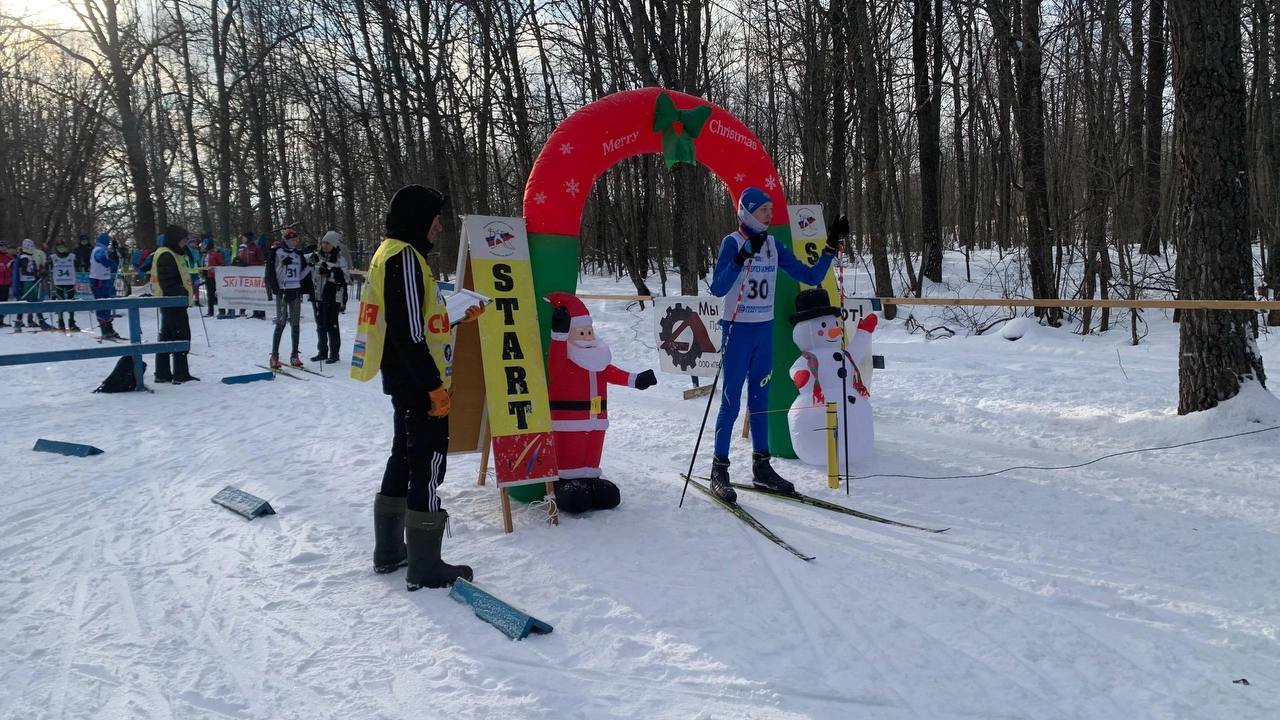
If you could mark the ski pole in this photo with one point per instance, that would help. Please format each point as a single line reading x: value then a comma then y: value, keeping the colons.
x: 724, y: 344
x: 206, y: 327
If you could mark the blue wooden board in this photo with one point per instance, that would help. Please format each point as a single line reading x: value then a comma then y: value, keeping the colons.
x: 106, y: 350
x: 512, y: 621
x: 19, y: 307
x: 65, y: 448
x: 242, y: 503
x: 251, y: 377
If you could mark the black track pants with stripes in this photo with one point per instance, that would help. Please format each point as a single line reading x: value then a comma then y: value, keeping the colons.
x: 418, y: 452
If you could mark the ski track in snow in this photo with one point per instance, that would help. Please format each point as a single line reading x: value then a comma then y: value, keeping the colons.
x: 1140, y: 586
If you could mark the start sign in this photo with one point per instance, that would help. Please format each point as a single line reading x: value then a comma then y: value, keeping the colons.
x: 511, y: 345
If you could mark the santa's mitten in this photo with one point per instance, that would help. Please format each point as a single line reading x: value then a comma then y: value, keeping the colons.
x: 868, y: 323
x: 560, y: 320
x: 646, y: 380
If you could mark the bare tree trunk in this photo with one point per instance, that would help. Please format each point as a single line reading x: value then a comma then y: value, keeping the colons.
x: 1217, y: 354
x: 1156, y: 69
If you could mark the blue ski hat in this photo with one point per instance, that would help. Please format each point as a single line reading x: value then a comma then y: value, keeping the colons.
x: 750, y: 201
x: 104, y: 240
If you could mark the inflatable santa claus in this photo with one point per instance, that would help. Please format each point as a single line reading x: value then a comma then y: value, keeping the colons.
x: 579, y: 372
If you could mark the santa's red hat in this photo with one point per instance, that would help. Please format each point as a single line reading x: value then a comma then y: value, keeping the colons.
x: 578, y: 315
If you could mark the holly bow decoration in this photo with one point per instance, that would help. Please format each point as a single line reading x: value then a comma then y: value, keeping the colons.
x: 679, y: 129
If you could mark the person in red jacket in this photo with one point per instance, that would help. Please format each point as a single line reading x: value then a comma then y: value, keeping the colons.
x: 212, y: 259
x: 6, y: 275
x: 580, y: 369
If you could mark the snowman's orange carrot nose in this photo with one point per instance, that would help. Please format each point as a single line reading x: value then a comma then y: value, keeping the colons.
x: 832, y: 332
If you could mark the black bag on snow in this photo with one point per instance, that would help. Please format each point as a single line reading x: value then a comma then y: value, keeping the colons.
x: 121, y: 378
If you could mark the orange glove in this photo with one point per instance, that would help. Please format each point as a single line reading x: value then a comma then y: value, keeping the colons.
x: 473, y: 313
x: 440, y: 402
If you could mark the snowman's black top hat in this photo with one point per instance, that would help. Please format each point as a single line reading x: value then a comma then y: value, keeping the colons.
x: 811, y: 304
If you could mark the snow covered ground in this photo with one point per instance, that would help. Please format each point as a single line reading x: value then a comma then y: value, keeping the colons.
x: 1137, y: 587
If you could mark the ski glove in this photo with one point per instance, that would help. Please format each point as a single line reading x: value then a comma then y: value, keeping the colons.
x: 837, y: 232
x: 560, y: 320
x: 752, y: 247
x: 646, y: 380
x: 440, y: 402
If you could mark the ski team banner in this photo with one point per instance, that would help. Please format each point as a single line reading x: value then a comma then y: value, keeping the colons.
x: 242, y: 288
x: 689, y: 334
x: 511, y: 345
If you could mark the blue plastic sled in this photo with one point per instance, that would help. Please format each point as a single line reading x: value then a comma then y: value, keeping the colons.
x: 251, y: 377
x: 512, y: 621
x: 66, y: 448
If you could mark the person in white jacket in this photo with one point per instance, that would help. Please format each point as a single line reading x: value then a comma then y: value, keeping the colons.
x: 332, y: 269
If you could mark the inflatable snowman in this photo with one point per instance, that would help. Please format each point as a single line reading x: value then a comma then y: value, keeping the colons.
x: 826, y: 372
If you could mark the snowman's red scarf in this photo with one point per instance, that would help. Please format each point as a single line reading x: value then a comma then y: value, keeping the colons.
x: 819, y: 398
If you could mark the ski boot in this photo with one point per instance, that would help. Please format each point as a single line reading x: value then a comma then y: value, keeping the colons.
x: 720, y: 485
x: 109, y: 332
x: 62, y: 327
x: 275, y: 362
x: 73, y: 326
x: 424, y: 532
x: 45, y: 325
x: 294, y: 360
x: 332, y: 359
x: 318, y: 357
x: 764, y: 476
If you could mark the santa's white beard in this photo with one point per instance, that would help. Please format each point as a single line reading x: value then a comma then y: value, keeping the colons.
x: 594, y: 357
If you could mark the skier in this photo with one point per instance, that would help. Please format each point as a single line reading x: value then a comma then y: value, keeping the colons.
x: 331, y: 268
x: 195, y: 260
x: 30, y: 273
x: 170, y: 277
x: 406, y: 336
x: 580, y: 369
x: 63, y: 268
x: 212, y: 259
x: 745, y: 275
x: 6, y: 275
x: 103, y: 264
x: 286, y: 269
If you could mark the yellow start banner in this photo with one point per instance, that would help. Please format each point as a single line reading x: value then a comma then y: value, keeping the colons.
x: 511, y: 346
x: 808, y: 237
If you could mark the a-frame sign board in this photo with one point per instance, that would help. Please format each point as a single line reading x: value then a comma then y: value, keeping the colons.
x: 517, y: 443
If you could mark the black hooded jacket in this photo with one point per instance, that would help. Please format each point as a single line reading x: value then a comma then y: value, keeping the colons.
x: 407, y: 365
x: 166, y: 268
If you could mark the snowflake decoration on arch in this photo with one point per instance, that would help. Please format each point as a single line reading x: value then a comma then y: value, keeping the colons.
x: 740, y: 177
x: 770, y: 182
x: 572, y: 188
x: 540, y: 198
x: 566, y: 148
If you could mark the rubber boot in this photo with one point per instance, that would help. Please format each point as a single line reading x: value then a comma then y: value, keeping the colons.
x: 181, y: 372
x: 575, y: 495
x: 163, y: 372
x: 424, y: 532
x: 764, y: 476
x: 389, y: 551
x: 720, y: 486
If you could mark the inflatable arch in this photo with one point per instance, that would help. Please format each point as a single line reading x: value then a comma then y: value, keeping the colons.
x: 683, y: 128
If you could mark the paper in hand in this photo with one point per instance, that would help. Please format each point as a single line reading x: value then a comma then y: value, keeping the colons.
x: 458, y: 303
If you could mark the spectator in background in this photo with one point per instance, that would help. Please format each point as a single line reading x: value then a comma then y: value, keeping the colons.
x: 84, y: 253
x: 212, y: 259
x: 331, y: 268
x: 6, y: 275
x: 195, y: 261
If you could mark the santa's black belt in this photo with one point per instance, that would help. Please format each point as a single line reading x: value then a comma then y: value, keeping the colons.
x: 578, y: 405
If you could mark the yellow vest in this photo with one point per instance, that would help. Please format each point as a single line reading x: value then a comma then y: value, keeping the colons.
x: 183, y: 272
x: 371, y: 327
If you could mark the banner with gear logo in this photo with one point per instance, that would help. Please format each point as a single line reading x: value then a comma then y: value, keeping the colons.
x: 808, y: 238
x: 689, y: 334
